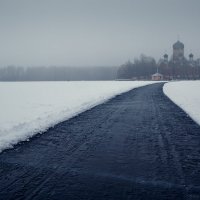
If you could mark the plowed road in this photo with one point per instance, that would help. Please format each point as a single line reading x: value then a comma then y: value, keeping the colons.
x: 138, y: 145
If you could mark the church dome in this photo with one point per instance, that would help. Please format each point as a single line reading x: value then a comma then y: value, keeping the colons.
x: 191, y: 55
x: 178, y: 45
x: 165, y: 55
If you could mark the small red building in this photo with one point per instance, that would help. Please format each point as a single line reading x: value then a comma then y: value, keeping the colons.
x: 157, y: 77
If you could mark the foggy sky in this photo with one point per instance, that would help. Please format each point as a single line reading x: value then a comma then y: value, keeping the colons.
x: 94, y: 32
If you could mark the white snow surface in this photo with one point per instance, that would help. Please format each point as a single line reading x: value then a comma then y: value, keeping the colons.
x: 185, y: 94
x: 28, y: 108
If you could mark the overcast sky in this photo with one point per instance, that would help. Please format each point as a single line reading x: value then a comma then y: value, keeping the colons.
x: 94, y: 32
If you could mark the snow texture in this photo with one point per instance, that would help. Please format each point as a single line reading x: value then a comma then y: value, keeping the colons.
x: 185, y: 94
x: 28, y: 108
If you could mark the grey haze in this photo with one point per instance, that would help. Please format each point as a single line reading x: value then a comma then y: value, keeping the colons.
x: 94, y: 32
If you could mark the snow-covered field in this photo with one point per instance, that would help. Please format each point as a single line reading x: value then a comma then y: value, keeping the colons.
x: 186, y: 94
x: 27, y: 108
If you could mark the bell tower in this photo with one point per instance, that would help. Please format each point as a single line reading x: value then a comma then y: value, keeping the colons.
x: 178, y: 50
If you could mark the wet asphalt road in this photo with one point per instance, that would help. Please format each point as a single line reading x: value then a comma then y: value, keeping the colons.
x: 138, y: 145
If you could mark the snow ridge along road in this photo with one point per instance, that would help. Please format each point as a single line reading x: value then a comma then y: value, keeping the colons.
x: 138, y: 145
x: 28, y: 108
x: 186, y: 95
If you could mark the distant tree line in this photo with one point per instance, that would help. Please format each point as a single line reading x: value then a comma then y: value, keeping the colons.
x: 53, y: 73
x: 140, y: 69
x: 145, y: 66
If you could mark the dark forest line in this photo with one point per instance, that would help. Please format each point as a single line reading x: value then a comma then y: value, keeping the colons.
x: 141, y: 69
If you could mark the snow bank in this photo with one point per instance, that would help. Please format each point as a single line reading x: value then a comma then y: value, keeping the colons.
x: 186, y: 94
x: 27, y: 108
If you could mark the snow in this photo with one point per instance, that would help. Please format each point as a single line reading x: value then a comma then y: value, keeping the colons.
x: 186, y: 94
x: 28, y: 108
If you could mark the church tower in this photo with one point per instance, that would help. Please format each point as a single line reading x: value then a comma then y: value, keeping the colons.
x: 165, y: 57
x: 191, y: 56
x: 178, y: 50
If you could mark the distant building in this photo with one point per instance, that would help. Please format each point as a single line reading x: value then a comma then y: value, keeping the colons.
x: 178, y: 66
x: 191, y: 56
x: 157, y: 77
x: 178, y: 51
x: 165, y: 58
x: 173, y: 67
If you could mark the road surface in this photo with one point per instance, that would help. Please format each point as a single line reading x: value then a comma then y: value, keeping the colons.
x: 138, y: 145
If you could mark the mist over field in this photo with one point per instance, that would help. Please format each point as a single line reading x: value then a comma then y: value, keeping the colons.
x: 54, y: 73
x: 94, y: 33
